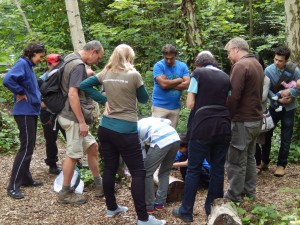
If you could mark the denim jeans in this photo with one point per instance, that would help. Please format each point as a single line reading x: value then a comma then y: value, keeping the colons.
x: 215, y: 149
x: 287, y: 123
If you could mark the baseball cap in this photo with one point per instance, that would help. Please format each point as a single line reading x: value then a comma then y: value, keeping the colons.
x: 53, y: 58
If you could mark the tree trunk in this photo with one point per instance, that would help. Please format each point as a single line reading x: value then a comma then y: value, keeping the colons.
x: 77, y: 34
x: 23, y: 16
x: 175, y: 189
x: 250, y: 22
x: 292, y: 28
x: 192, y: 31
x: 223, y: 212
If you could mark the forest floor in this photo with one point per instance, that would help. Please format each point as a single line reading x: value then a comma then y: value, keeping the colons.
x: 40, y: 207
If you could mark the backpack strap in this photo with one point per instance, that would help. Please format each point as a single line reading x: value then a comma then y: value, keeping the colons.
x: 290, y: 67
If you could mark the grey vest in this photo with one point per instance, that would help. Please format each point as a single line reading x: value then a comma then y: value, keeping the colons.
x: 86, y: 102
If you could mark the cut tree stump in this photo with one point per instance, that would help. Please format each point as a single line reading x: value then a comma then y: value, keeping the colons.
x: 175, y: 189
x: 223, y: 212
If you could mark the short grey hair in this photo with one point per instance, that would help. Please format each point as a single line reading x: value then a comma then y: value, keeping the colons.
x: 205, y: 58
x: 237, y: 43
x: 205, y: 52
x: 91, y: 45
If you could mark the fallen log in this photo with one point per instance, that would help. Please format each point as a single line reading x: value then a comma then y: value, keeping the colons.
x: 175, y: 189
x: 223, y: 212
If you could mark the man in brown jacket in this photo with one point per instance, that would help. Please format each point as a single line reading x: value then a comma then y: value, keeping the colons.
x: 247, y: 78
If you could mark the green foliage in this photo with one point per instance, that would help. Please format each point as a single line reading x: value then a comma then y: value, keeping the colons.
x: 294, y: 153
x: 87, y: 177
x: 5, y: 94
x: 145, y: 25
x: 8, y: 134
x: 265, y: 215
x: 262, y: 214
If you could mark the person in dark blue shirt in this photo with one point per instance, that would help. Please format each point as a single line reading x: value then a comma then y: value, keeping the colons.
x: 22, y: 82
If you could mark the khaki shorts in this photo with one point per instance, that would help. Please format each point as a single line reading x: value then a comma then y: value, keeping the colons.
x: 171, y: 114
x: 76, y: 145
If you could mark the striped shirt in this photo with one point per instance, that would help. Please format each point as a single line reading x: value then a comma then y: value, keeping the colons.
x: 157, y: 131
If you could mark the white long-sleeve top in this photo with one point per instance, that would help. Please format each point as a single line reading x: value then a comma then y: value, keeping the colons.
x: 157, y: 131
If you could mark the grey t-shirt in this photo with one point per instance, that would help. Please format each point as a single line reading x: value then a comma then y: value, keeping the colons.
x: 121, y: 92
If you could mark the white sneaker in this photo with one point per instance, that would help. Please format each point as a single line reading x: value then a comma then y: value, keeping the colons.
x: 113, y: 213
x: 279, y: 109
x: 275, y: 97
x: 151, y: 221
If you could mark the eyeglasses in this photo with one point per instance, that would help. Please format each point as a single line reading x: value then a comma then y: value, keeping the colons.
x: 229, y: 50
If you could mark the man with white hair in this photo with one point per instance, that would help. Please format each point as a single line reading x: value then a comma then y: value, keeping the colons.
x: 245, y: 106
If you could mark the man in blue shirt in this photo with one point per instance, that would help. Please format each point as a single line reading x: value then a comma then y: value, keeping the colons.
x: 171, y: 76
x: 281, y: 70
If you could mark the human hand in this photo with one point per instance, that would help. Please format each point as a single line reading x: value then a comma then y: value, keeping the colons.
x: 285, y: 100
x: 89, y: 72
x: 83, y: 129
x: 20, y: 98
x: 43, y: 105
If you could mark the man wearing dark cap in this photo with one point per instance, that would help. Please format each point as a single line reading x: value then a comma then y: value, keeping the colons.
x: 48, y: 120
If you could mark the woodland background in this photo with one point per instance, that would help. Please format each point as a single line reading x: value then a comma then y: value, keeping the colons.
x: 146, y: 25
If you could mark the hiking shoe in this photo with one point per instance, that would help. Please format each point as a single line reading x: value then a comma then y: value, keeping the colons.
x: 177, y: 214
x: 54, y: 170
x: 34, y: 183
x: 279, y: 172
x: 99, y: 191
x: 263, y: 166
x: 151, y: 221
x: 258, y: 171
x: 158, y: 206
x: 16, y: 194
x: 113, y: 213
x: 69, y: 197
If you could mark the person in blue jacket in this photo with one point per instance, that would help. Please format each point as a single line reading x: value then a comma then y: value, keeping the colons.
x: 22, y: 82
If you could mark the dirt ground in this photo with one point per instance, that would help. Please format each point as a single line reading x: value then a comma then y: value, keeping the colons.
x: 40, y: 207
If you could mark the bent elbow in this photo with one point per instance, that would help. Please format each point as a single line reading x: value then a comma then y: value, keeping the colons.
x: 190, y: 105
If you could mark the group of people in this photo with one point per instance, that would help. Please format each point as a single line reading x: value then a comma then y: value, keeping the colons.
x: 223, y: 126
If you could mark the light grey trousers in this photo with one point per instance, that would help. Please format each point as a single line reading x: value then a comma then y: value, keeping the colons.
x: 162, y: 159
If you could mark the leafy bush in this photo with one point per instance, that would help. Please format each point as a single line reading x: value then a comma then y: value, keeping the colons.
x: 8, y: 134
x: 87, y: 177
x: 5, y: 94
x: 266, y: 215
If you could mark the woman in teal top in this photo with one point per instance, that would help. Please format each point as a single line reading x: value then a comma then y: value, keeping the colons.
x: 117, y: 131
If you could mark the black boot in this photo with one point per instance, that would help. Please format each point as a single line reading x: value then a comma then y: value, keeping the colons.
x: 54, y: 169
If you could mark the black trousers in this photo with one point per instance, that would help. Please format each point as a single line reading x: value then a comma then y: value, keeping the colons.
x: 20, y: 174
x: 114, y: 144
x: 50, y: 135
